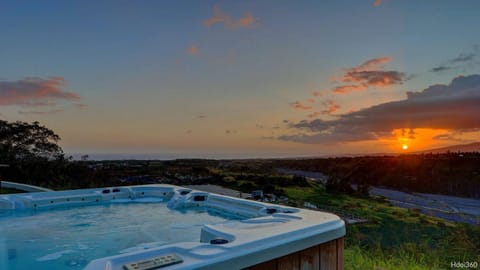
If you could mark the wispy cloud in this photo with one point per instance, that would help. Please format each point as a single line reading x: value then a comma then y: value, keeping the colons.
x: 443, y: 137
x: 300, y: 106
x: 378, y: 78
x: 222, y: 18
x: 370, y: 73
x: 317, y: 93
x: 452, y: 107
x: 331, y: 107
x: 462, y: 60
x: 80, y: 106
x: 450, y: 136
x: 343, y: 89
x: 440, y: 68
x: 41, y: 112
x: 372, y: 64
x: 314, y: 114
x: 35, y: 92
x: 230, y: 131
x: 193, y: 50
x: 377, y: 3
x: 463, y: 57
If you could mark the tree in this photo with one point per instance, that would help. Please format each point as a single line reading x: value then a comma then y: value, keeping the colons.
x: 338, y: 184
x: 23, y: 141
x: 32, y: 152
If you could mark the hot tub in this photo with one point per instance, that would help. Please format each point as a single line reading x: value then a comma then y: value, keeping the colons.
x: 162, y: 227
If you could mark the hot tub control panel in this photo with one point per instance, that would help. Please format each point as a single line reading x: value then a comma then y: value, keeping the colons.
x: 154, y: 263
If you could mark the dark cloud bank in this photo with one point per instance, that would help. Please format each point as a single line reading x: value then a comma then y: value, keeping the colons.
x: 455, y: 107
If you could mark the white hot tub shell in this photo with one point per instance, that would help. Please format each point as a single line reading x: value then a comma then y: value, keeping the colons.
x: 270, y: 232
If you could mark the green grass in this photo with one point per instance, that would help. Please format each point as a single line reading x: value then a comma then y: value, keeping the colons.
x: 358, y: 259
x: 395, y: 238
x: 10, y: 191
x: 300, y: 194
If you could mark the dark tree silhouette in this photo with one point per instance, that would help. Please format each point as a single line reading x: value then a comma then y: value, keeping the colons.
x: 24, y: 141
x: 32, y: 153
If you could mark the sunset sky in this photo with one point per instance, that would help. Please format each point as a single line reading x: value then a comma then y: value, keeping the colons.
x: 250, y: 78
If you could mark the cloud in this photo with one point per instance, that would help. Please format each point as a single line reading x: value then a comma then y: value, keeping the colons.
x: 299, y: 106
x: 368, y: 74
x: 314, y: 114
x: 410, y: 134
x: 444, y: 137
x: 193, y: 50
x: 377, y: 78
x: 343, y: 89
x: 440, y: 68
x: 462, y: 86
x: 219, y: 17
x: 450, y: 136
x: 41, y: 112
x: 463, y: 57
x: 80, y: 106
x: 246, y: 20
x: 372, y: 64
x: 317, y: 93
x: 331, y: 105
x: 377, y: 3
x: 230, y: 131
x: 454, y: 107
x: 38, y: 104
x: 462, y: 60
x: 35, y: 92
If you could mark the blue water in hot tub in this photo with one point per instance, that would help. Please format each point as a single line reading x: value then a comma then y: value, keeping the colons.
x: 68, y: 238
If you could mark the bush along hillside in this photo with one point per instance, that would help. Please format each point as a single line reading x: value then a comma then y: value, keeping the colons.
x: 456, y: 174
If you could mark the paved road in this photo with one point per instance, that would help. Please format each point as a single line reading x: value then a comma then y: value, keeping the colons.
x: 451, y: 208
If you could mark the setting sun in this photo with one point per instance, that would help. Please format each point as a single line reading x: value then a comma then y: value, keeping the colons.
x: 405, y: 147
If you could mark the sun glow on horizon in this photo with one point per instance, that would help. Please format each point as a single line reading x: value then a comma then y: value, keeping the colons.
x: 419, y: 139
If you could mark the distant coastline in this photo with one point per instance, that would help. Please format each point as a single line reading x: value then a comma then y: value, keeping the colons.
x: 171, y: 156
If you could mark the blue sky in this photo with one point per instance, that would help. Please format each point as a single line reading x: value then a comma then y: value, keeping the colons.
x: 229, y: 76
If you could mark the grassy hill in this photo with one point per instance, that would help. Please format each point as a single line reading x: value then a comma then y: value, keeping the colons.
x: 395, y: 238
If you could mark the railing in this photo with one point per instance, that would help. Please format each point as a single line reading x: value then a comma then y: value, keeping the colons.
x: 24, y: 187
